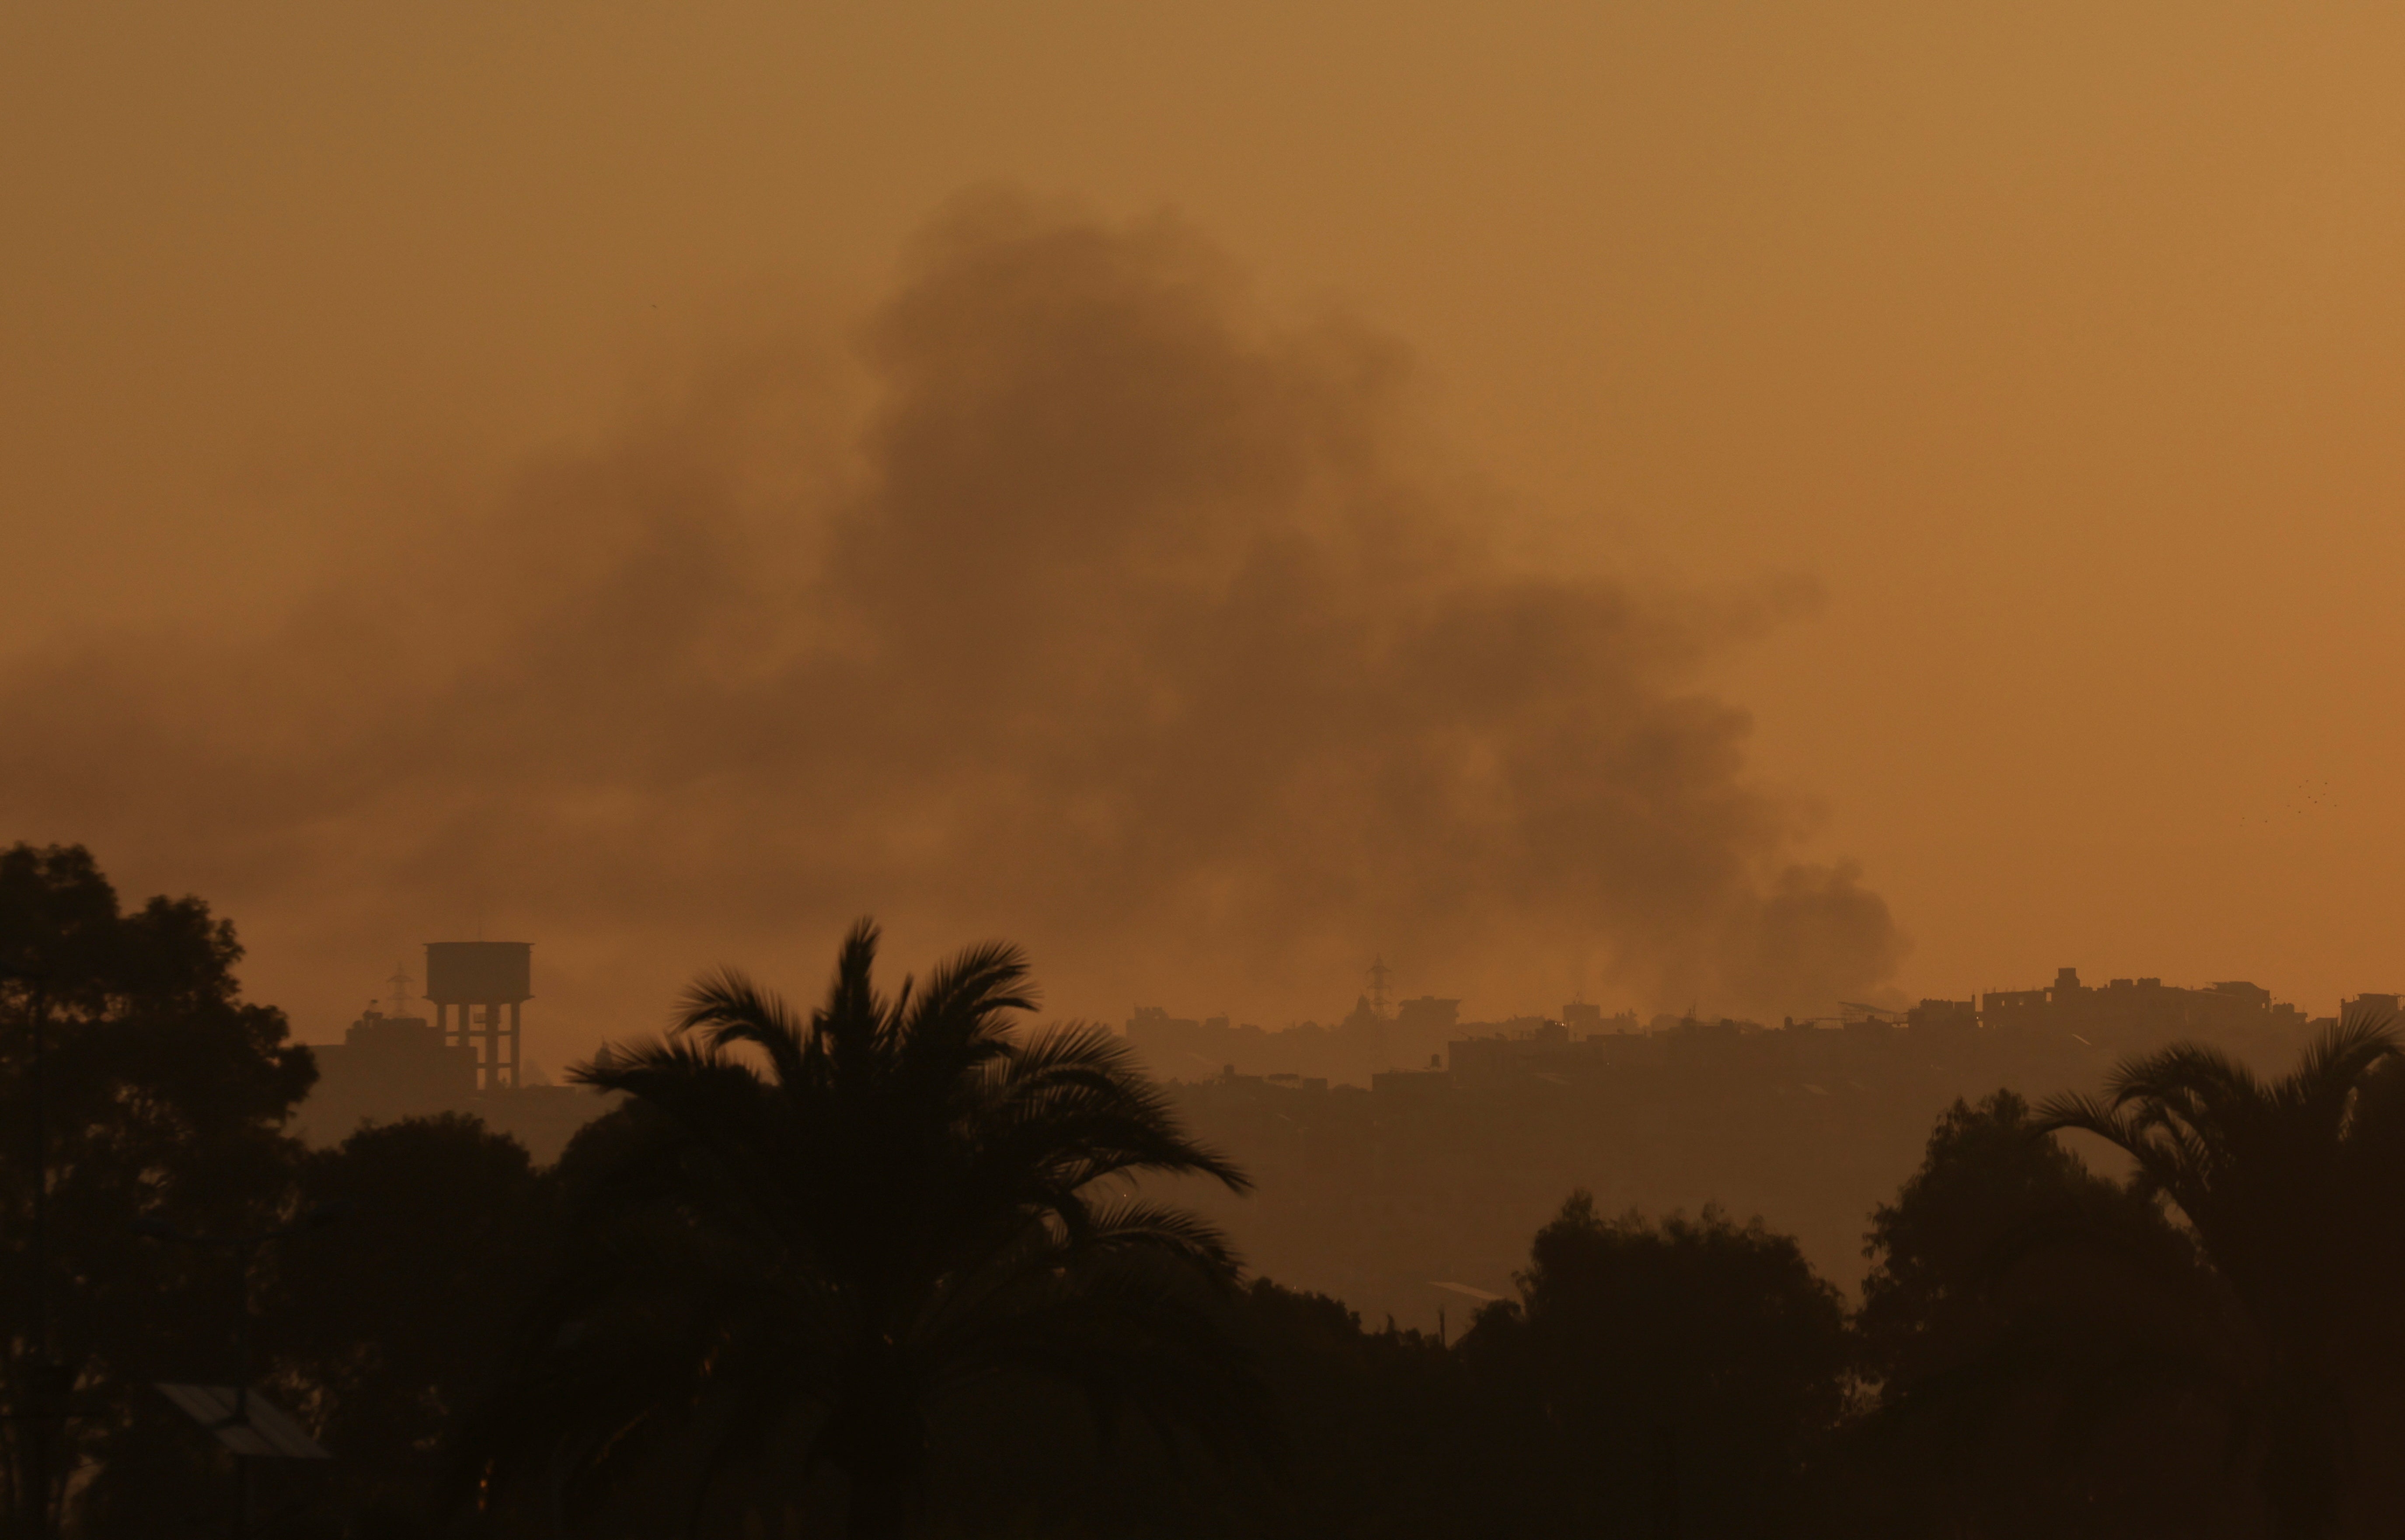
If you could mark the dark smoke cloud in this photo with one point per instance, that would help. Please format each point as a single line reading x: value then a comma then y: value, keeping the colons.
x: 1119, y: 621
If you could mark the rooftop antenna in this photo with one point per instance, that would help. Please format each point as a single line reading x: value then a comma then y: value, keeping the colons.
x: 1379, y: 973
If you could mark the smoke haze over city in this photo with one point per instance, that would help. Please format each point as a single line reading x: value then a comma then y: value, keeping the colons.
x: 1354, y: 770
x: 1125, y: 620
x: 480, y: 495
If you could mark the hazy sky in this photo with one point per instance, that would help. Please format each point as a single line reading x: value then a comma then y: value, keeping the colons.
x: 1997, y: 403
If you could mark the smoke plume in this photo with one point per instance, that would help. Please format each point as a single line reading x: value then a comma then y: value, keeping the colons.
x: 1118, y: 619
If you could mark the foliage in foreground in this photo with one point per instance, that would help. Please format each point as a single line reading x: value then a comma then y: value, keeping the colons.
x: 2294, y: 1193
x: 667, y: 1317
x: 159, y: 1091
x: 820, y: 1231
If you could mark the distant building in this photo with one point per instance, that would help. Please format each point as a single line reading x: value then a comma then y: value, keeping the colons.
x: 2138, y: 1015
x: 1545, y: 1048
x: 1181, y: 1048
x: 389, y: 1067
x: 1373, y: 1039
x: 1369, y: 1039
x: 393, y: 1064
x: 469, y: 983
x: 1426, y: 1014
x: 1295, y: 1082
x: 1412, y: 1084
x: 1944, y: 1015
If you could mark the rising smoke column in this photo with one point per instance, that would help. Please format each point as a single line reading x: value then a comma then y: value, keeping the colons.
x: 1127, y: 624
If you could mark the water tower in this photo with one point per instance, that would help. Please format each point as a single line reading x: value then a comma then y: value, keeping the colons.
x: 468, y: 982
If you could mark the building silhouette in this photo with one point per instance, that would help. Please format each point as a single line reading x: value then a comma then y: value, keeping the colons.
x: 1376, y: 1176
x: 2129, y: 1016
x: 388, y: 1066
x: 394, y: 1063
x: 470, y: 984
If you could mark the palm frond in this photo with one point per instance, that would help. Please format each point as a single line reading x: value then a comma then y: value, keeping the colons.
x: 2187, y: 1069
x: 693, y: 1083
x: 972, y: 989
x: 2075, y: 1110
x: 2333, y: 1067
x: 908, y: 1184
x: 2270, y: 1180
x: 1174, y: 1232
x: 1080, y: 1086
x: 726, y: 1007
x: 852, y: 1020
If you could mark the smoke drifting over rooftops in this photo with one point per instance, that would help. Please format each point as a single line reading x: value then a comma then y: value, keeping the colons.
x: 1122, y: 621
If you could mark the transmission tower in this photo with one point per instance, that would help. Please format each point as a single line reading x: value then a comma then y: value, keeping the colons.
x: 401, y: 981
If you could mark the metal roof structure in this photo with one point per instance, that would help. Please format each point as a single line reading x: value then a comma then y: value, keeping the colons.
x: 248, y: 1424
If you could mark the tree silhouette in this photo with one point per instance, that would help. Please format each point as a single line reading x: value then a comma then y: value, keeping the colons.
x: 2014, y: 1300
x: 1983, y: 1181
x: 2291, y: 1190
x: 133, y: 1079
x: 387, y: 1334
x: 812, y: 1231
x: 1664, y: 1376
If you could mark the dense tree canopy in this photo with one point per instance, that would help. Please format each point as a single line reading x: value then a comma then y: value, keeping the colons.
x: 134, y: 1080
x: 391, y: 1331
x: 886, y: 1266
x: 1684, y: 1367
x: 2294, y: 1193
x: 1988, y: 1190
x: 2013, y: 1326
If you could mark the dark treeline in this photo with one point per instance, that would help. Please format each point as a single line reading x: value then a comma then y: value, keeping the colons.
x: 884, y: 1267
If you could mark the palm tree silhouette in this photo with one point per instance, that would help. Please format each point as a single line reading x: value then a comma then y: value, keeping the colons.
x: 822, y: 1227
x: 2289, y: 1189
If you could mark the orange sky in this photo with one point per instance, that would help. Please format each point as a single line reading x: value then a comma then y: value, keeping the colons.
x: 2055, y: 344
